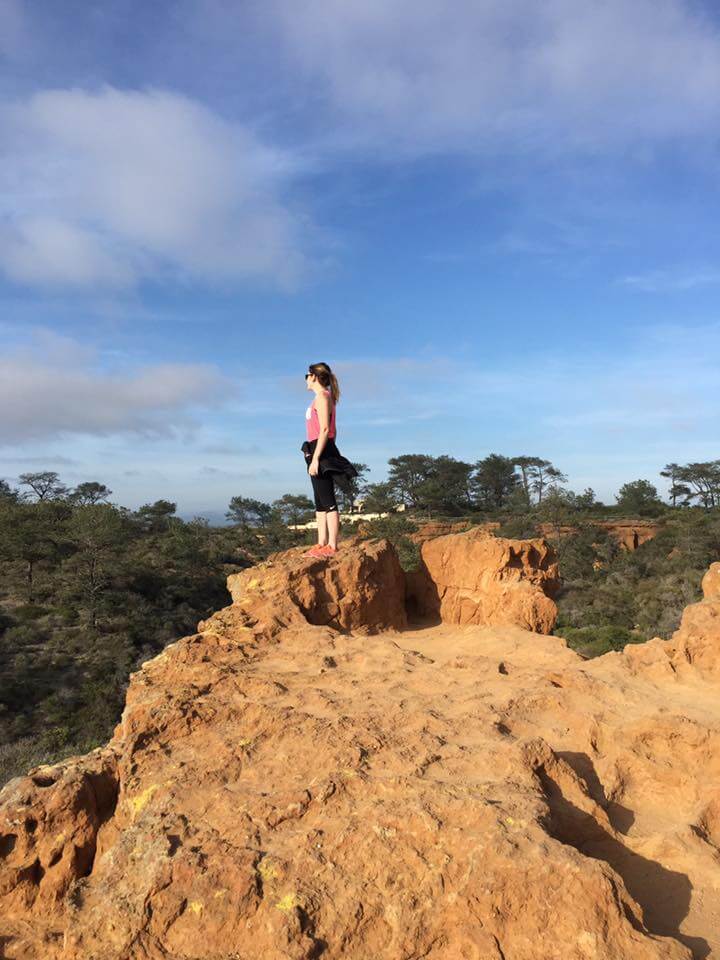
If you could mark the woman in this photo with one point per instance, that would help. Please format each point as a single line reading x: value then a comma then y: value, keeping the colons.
x: 323, y: 458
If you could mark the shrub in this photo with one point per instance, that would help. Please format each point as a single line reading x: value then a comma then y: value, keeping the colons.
x: 396, y: 530
x: 595, y: 641
x: 29, y: 612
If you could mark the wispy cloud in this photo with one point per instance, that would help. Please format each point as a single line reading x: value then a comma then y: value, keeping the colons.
x: 54, y: 387
x: 109, y: 188
x: 673, y: 279
x: 52, y: 459
x: 418, y: 75
x: 660, y: 387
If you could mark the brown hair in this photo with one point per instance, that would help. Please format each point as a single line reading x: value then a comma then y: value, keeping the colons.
x: 326, y: 378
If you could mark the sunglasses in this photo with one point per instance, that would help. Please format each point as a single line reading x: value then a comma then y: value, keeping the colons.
x: 309, y: 375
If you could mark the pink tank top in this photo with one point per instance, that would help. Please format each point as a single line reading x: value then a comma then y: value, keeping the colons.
x: 312, y: 421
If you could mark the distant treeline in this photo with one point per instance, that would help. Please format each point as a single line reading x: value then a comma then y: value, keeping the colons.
x: 496, y: 484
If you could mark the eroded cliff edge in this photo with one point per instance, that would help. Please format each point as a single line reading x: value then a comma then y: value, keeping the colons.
x: 308, y: 776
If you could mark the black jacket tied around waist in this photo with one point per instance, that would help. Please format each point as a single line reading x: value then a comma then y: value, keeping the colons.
x: 331, y: 460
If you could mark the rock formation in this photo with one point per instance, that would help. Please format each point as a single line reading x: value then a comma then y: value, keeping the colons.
x: 290, y: 783
x: 441, y: 528
x: 630, y: 534
x: 475, y: 578
x: 364, y: 590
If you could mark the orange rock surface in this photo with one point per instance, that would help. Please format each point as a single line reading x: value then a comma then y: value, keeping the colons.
x: 472, y: 577
x: 278, y: 788
x: 363, y: 590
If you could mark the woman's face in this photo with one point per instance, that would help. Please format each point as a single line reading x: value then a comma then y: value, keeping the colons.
x: 310, y: 379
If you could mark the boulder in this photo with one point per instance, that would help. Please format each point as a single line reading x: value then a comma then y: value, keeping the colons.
x: 473, y: 577
x: 361, y: 588
x: 697, y: 639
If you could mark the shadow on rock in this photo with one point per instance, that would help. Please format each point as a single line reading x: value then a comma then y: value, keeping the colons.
x: 663, y: 895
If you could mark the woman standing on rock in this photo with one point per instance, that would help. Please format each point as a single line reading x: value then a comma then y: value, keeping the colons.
x: 323, y: 458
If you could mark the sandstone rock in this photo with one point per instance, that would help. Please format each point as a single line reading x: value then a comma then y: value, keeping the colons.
x: 361, y: 588
x: 441, y: 528
x: 282, y: 789
x: 49, y: 825
x: 697, y: 639
x: 630, y: 534
x: 475, y: 578
x: 711, y: 582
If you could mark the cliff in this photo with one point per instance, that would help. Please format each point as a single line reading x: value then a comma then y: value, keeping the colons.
x: 310, y: 776
x: 629, y: 534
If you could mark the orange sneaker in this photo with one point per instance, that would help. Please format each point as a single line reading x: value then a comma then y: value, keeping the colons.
x: 316, y: 551
x: 328, y: 551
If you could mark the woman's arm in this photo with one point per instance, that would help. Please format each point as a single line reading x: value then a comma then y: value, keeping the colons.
x: 323, y: 411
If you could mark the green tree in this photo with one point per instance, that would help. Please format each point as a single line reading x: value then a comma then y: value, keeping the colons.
x: 247, y: 512
x: 379, y: 498
x: 7, y: 492
x: 294, y: 508
x: 348, y: 488
x: 703, y: 479
x: 557, y: 508
x: 89, y: 493
x: 45, y: 485
x: 31, y: 533
x: 678, y: 489
x: 155, y: 517
x: 586, y: 500
x: 98, y: 532
x: 397, y: 530
x: 493, y: 481
x: 407, y: 475
x: 447, y: 488
x: 639, y: 498
x: 543, y: 474
x: 581, y: 551
x: 526, y: 465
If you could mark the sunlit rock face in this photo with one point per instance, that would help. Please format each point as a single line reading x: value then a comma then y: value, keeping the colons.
x: 308, y: 776
x: 473, y: 577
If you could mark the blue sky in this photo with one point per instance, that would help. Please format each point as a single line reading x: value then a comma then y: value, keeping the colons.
x: 497, y: 222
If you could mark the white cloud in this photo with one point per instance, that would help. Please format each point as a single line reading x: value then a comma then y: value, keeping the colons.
x: 112, y: 187
x: 673, y: 279
x: 53, y: 388
x: 422, y: 75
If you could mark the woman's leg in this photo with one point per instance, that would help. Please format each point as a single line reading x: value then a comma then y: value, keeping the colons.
x: 326, y: 494
x: 333, y: 527
x: 328, y: 518
x: 320, y: 494
x: 322, y: 525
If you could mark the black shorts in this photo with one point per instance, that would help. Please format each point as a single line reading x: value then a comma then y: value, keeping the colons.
x: 323, y: 484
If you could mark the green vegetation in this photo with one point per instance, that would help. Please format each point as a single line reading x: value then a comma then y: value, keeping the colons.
x: 89, y: 589
x: 611, y: 596
x: 396, y: 529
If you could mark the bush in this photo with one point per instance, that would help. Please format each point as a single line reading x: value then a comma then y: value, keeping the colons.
x: 68, y: 614
x: 396, y: 530
x: 595, y: 641
x: 523, y: 527
x: 29, y: 611
x: 24, y: 635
